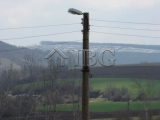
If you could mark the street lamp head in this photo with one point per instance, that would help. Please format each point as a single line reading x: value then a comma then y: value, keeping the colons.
x: 74, y: 11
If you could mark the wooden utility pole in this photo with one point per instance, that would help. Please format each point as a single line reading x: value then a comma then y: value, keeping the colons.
x: 85, y: 70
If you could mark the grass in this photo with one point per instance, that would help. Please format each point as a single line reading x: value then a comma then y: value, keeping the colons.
x: 133, y: 118
x: 35, y: 84
x: 103, y: 106
x: 29, y: 85
x: 101, y: 84
x: 104, y: 119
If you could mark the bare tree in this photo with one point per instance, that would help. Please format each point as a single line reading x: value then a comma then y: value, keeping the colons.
x: 75, y: 91
x: 32, y: 66
x: 145, y: 91
x: 51, y: 92
x: 75, y: 87
x: 7, y: 80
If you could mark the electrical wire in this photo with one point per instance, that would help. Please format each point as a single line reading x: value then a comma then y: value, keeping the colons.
x: 125, y: 34
x: 40, y: 46
x: 124, y: 22
x: 39, y: 26
x: 39, y: 35
x: 124, y: 28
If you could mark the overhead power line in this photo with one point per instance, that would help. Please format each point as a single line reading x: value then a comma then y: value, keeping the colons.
x: 125, y: 22
x: 39, y: 35
x: 30, y: 27
x: 125, y: 34
x: 40, y: 46
x: 124, y: 28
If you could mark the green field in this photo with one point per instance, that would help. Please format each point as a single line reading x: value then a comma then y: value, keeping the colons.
x: 104, y: 106
x: 101, y: 84
x: 133, y: 118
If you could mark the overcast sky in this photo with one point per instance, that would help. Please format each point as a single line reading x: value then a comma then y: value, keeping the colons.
x: 29, y: 13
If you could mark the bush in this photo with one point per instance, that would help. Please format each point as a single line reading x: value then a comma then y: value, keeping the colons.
x: 95, y: 93
x: 114, y: 93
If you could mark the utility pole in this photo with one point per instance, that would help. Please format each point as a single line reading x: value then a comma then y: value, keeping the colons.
x: 85, y: 69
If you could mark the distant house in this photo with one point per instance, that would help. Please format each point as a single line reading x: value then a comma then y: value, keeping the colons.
x: 101, y: 96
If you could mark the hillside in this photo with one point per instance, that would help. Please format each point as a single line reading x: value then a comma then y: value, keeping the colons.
x: 124, y: 53
x: 13, y: 54
x: 6, y: 63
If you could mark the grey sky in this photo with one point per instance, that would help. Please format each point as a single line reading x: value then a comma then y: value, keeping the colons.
x: 19, y: 13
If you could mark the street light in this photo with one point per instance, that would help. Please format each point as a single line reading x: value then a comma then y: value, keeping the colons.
x: 85, y: 69
x: 75, y: 11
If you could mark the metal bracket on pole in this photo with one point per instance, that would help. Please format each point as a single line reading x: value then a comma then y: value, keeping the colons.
x: 85, y: 68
